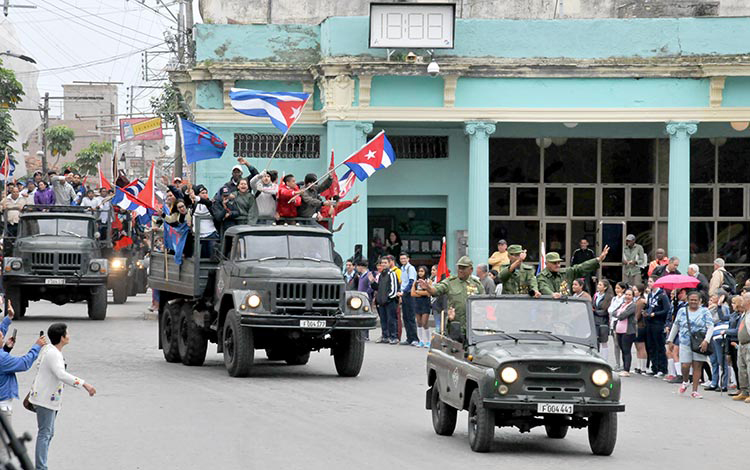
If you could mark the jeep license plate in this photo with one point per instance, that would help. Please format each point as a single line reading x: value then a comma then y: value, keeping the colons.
x: 554, y: 408
x: 312, y: 323
x: 54, y: 282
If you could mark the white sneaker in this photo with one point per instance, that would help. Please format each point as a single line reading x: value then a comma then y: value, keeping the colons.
x: 659, y: 375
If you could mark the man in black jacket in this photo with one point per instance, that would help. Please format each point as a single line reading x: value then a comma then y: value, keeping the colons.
x: 311, y: 201
x: 669, y: 268
x: 581, y: 255
x: 224, y: 211
x: 387, y: 301
x: 656, y: 317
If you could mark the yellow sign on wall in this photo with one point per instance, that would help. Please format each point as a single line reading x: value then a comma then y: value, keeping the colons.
x: 146, y: 126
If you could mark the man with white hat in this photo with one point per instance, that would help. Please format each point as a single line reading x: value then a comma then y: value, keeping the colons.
x: 236, y: 177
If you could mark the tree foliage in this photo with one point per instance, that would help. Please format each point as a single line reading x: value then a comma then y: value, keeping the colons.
x: 59, y: 139
x: 88, y: 158
x: 11, y: 92
x: 169, y: 101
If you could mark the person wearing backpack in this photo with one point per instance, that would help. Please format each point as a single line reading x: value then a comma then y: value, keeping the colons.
x: 721, y: 279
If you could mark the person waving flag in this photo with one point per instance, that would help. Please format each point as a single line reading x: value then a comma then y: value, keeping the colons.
x: 282, y: 107
x: 373, y: 156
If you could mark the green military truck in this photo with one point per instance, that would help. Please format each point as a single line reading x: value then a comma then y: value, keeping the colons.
x: 273, y: 287
x: 523, y: 363
x: 57, y: 256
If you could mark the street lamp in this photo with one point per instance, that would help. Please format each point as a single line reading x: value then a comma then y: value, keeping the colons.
x: 19, y: 56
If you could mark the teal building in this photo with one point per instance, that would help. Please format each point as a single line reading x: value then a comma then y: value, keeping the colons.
x: 533, y: 130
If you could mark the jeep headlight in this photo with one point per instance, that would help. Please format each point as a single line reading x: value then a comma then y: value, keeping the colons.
x: 600, y: 377
x: 253, y: 301
x: 509, y: 375
x: 117, y: 263
x: 355, y: 303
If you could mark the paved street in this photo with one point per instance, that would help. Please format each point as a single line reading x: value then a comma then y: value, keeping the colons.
x: 152, y: 415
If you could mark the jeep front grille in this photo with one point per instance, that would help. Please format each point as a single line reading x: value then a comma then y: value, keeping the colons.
x: 55, y: 263
x: 298, y: 297
x: 554, y: 368
x: 554, y: 385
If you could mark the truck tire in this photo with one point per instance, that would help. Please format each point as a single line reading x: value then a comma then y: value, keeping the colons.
x: 297, y: 358
x: 481, y: 424
x: 444, y: 416
x: 556, y: 430
x: 192, y: 342
x: 348, y: 352
x: 16, y: 299
x: 238, y: 346
x: 168, y: 331
x: 275, y: 354
x: 132, y: 288
x: 97, y: 303
x: 120, y: 292
x: 602, y: 433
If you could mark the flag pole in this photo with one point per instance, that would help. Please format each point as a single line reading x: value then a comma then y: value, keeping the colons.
x: 6, y: 172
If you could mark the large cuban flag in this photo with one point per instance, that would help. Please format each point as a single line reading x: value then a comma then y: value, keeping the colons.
x: 375, y: 155
x: 282, y: 107
x: 126, y: 198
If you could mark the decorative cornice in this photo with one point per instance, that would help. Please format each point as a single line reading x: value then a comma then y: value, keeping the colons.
x: 365, y: 84
x: 685, y: 129
x: 716, y: 91
x: 449, y: 90
x: 479, y: 128
x: 364, y: 127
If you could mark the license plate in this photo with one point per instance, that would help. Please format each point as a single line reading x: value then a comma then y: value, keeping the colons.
x: 54, y: 282
x: 312, y: 323
x: 554, y: 408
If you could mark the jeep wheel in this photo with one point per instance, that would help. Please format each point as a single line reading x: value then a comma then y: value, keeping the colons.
x: 275, y: 354
x: 481, y: 424
x: 556, y: 430
x: 17, y: 301
x: 238, y: 346
x: 97, y: 303
x: 168, y: 332
x: 444, y: 416
x: 192, y: 342
x: 298, y: 359
x: 602, y: 433
x: 348, y: 352
x: 120, y: 292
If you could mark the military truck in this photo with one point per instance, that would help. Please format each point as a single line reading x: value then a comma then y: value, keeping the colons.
x: 523, y: 362
x: 273, y: 287
x: 57, y: 256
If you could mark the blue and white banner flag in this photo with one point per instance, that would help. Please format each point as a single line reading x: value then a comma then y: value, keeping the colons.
x: 282, y: 107
x: 199, y: 143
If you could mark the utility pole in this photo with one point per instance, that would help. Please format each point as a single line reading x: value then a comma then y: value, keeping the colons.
x: 45, y: 125
x: 181, y: 34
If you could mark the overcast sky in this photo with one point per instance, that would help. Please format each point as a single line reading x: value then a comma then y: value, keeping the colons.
x: 94, y: 40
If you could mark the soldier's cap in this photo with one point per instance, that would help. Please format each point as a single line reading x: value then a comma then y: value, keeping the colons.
x: 502, y: 242
x: 630, y: 237
x: 515, y: 250
x: 464, y: 261
x: 553, y: 257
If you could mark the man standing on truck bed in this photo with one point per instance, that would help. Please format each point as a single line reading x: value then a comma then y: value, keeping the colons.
x: 311, y: 202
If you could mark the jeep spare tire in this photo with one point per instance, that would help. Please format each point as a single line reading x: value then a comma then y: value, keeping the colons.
x: 348, y: 352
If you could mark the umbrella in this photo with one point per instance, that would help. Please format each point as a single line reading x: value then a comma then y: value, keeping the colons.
x: 676, y: 281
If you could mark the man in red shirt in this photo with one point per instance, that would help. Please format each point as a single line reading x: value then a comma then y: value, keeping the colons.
x: 661, y: 260
x: 287, y: 203
x: 330, y: 212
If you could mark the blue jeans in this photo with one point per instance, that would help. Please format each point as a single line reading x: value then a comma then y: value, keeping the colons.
x: 719, y: 363
x: 389, y: 319
x: 45, y: 420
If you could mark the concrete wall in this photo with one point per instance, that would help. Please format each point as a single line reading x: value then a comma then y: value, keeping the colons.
x: 315, y: 11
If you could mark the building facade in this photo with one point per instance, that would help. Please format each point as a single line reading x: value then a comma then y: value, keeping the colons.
x: 535, y: 130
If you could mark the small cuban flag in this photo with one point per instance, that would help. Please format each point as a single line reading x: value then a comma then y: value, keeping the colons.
x: 7, y: 169
x: 375, y: 155
x: 199, y: 143
x: 282, y: 107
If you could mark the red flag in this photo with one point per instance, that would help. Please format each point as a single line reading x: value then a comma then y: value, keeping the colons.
x: 103, y: 183
x: 442, y: 270
x: 146, y: 196
x: 334, y: 189
x: 122, y: 243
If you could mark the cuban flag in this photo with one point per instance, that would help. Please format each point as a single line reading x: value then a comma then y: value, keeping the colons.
x: 282, y: 107
x: 346, y: 183
x: 542, y: 259
x: 125, y: 198
x: 174, y: 239
x: 375, y: 155
x: 7, y: 169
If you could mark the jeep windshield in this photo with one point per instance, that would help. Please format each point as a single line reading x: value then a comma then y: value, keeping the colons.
x: 525, y: 318
x: 78, y: 228
x: 268, y: 247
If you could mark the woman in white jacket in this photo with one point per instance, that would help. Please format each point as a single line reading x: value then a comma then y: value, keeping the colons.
x: 47, y: 388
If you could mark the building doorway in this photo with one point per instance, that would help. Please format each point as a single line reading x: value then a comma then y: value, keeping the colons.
x: 420, y: 231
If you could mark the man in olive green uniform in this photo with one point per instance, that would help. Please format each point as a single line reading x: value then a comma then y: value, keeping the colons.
x: 456, y: 290
x: 556, y: 281
x: 518, y: 278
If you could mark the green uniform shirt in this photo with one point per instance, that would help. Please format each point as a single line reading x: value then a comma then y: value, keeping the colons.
x: 633, y: 254
x: 456, y: 292
x: 550, y: 282
x: 520, y: 281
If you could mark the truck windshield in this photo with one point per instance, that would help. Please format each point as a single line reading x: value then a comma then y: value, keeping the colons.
x: 259, y: 247
x: 566, y: 319
x: 58, y: 227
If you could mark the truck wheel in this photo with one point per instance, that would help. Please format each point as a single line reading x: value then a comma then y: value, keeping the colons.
x: 481, y: 424
x: 444, y: 416
x: 97, y: 303
x: 120, y: 292
x: 169, y: 331
x: 16, y: 299
x: 298, y: 359
x: 132, y: 288
x: 602, y: 433
x: 556, y: 430
x: 348, y: 352
x: 192, y: 342
x: 274, y: 354
x: 238, y: 346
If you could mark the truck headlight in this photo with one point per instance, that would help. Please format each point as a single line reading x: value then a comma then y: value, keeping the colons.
x: 355, y: 303
x: 509, y: 375
x: 117, y: 263
x: 16, y: 264
x: 253, y: 301
x: 95, y: 266
x: 139, y: 264
x: 600, y: 377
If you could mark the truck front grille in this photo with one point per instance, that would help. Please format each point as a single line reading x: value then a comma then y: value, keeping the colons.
x: 298, y: 297
x: 55, y: 263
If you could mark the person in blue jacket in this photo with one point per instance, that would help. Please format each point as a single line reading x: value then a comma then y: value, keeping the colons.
x: 9, y: 365
x: 658, y: 309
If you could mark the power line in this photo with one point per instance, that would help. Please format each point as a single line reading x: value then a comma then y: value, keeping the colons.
x: 143, y: 4
x: 107, y: 20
